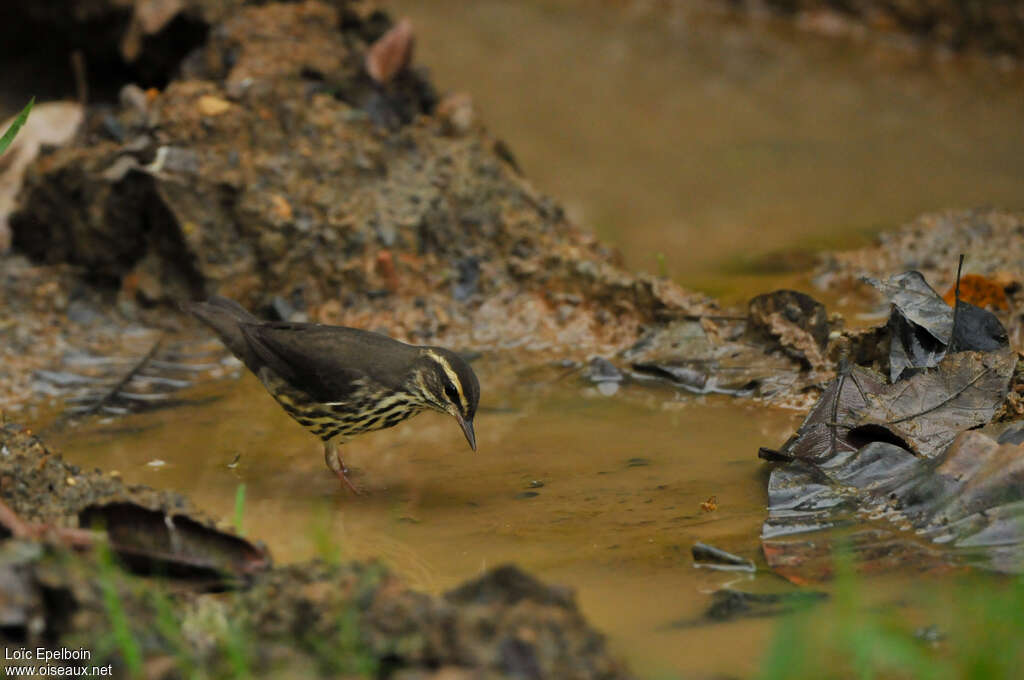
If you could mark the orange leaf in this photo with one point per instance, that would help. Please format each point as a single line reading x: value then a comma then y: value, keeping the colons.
x: 980, y: 291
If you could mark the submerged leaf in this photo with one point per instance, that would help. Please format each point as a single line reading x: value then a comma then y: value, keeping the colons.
x: 149, y: 540
x: 966, y: 508
x: 908, y: 453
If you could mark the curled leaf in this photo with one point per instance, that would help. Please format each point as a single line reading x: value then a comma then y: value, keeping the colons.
x: 921, y: 324
x: 391, y: 53
x: 149, y: 540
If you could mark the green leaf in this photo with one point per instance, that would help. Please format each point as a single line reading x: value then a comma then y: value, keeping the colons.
x: 12, y: 131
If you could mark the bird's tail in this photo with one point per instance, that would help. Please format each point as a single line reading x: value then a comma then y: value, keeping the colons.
x: 224, y: 316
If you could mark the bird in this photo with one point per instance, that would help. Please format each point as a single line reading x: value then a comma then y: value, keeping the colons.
x: 339, y: 382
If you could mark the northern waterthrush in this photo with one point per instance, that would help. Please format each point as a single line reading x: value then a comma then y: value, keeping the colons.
x: 339, y: 382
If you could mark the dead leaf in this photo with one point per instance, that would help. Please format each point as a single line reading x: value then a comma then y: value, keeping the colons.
x: 281, y: 208
x: 979, y: 290
x: 929, y: 409
x: 150, y: 540
x: 975, y: 328
x: 456, y: 113
x: 391, y: 53
x: 827, y: 430
x: 920, y: 324
x: 967, y: 508
x: 794, y: 320
x: 922, y: 414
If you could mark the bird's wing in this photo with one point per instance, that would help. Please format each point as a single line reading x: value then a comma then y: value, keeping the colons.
x: 328, y: 362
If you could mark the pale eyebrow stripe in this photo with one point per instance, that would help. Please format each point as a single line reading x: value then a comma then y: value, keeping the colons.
x: 453, y: 378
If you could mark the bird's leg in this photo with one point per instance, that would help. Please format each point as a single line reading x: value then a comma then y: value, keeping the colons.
x: 332, y: 456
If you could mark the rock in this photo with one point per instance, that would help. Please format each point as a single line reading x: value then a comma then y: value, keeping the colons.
x: 50, y: 124
x: 456, y: 114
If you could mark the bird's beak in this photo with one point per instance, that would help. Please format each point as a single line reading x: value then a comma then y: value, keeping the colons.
x: 467, y: 429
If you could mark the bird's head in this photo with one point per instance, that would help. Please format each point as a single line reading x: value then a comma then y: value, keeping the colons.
x: 448, y: 384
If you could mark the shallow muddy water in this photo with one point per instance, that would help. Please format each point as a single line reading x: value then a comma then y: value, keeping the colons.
x: 732, y: 149
x: 603, y: 493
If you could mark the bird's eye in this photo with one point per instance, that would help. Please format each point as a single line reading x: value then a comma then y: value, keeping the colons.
x: 451, y: 393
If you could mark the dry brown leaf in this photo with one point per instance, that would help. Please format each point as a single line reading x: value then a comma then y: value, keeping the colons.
x: 391, y: 53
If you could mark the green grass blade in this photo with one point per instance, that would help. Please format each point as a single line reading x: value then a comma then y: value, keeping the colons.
x: 239, y: 509
x: 12, y: 131
x: 131, y: 651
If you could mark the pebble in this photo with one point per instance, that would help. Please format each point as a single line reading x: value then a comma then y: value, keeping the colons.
x: 209, y: 105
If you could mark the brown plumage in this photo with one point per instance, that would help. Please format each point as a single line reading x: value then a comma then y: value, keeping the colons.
x: 339, y: 382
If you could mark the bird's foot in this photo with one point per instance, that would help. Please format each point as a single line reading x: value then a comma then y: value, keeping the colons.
x: 343, y: 477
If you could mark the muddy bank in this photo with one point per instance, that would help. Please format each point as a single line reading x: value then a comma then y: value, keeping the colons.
x: 989, y: 28
x: 993, y: 28
x: 270, y: 172
x: 224, y: 605
x: 328, y: 183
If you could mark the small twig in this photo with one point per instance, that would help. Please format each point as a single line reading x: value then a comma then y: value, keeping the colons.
x: 19, y: 528
x: 956, y: 303
x: 81, y: 77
